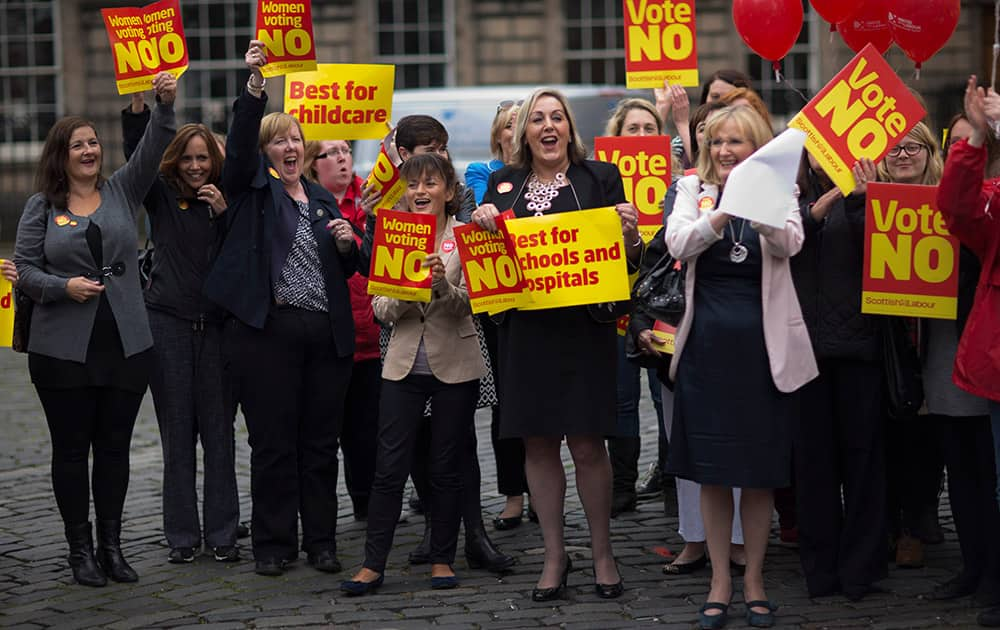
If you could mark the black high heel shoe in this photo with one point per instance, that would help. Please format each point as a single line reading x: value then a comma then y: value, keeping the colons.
x: 609, y: 591
x: 554, y: 592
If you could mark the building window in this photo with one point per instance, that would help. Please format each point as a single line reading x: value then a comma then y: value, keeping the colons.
x: 418, y: 37
x: 217, y: 33
x: 30, y: 94
x: 595, y: 41
x: 800, y: 69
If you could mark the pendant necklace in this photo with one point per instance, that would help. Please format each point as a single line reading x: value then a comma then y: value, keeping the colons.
x: 540, y: 195
x: 739, y: 252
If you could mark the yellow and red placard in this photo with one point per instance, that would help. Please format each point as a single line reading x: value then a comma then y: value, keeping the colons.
x: 286, y: 29
x: 665, y: 333
x: 493, y: 275
x: 144, y: 41
x: 572, y: 258
x: 402, y: 242
x: 660, y: 43
x: 341, y: 101
x: 644, y: 162
x: 911, y: 260
x: 6, y: 312
x: 385, y: 175
x: 863, y: 112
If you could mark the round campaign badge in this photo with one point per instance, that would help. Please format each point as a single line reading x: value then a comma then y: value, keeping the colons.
x: 61, y: 220
x: 448, y: 246
x: 182, y: 204
x: 706, y: 203
x: 273, y: 173
x: 504, y: 187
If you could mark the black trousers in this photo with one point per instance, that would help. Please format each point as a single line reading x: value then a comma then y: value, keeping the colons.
x: 470, y: 505
x: 968, y: 453
x: 82, y: 419
x: 401, y: 411
x: 359, y: 435
x: 839, y: 449
x: 914, y: 470
x: 291, y: 386
x: 508, y: 453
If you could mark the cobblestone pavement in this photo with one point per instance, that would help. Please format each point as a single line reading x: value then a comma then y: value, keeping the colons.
x: 37, y: 591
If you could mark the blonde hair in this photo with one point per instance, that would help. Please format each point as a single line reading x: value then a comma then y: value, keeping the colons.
x: 522, y: 156
x: 500, y: 122
x: 275, y: 124
x: 312, y: 149
x: 934, y: 166
x: 617, y: 120
x: 750, y: 124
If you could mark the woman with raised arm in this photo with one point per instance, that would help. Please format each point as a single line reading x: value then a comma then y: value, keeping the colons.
x: 89, y: 351
x: 282, y: 276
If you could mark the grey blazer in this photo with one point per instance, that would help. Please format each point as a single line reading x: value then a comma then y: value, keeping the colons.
x: 52, y: 247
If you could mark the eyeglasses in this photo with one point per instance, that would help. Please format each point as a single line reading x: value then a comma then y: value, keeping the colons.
x: 505, y: 105
x: 334, y: 152
x: 910, y: 149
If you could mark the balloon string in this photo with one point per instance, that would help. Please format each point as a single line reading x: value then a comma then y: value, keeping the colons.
x: 777, y: 69
x: 996, y: 43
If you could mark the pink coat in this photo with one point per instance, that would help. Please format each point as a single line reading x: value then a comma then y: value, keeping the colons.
x: 689, y: 233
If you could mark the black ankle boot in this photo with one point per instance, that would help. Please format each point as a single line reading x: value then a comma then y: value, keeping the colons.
x: 109, y: 552
x: 480, y: 552
x: 86, y: 571
x: 421, y: 554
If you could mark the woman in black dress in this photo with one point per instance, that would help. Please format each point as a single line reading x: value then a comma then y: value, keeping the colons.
x: 741, y: 348
x: 557, y: 366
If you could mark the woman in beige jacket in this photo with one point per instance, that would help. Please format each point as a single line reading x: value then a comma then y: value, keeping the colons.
x: 433, y: 355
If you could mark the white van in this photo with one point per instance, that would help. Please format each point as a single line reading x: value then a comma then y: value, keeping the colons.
x: 467, y: 113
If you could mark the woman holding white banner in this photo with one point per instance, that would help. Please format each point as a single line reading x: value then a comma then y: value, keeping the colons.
x: 557, y: 366
x: 741, y: 349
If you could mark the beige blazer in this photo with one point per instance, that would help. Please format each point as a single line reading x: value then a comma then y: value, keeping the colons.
x: 445, y: 324
x: 689, y: 233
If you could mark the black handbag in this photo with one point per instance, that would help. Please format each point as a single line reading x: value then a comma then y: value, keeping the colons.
x: 660, y: 293
x: 23, y: 305
x: 904, y: 388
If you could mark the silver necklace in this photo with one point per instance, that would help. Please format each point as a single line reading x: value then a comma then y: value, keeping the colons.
x: 739, y: 252
x: 540, y: 195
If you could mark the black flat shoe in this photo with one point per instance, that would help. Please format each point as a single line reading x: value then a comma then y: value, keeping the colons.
x: 760, y: 620
x: 355, y: 588
x: 324, y: 560
x: 713, y: 622
x: 503, y: 523
x: 684, y: 568
x: 555, y: 592
x: 271, y: 567
x: 954, y: 588
x: 444, y: 583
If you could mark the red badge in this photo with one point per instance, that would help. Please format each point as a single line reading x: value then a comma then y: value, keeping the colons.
x: 504, y: 187
x: 448, y: 245
x: 62, y: 220
x: 706, y: 203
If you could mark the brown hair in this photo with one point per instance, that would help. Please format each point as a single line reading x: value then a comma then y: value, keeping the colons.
x: 750, y: 124
x: 522, y: 152
x: 734, y: 78
x: 617, y: 120
x: 425, y: 164
x: 50, y: 176
x: 170, y: 164
x: 751, y: 97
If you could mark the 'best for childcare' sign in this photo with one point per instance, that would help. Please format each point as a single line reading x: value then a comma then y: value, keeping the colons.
x: 341, y: 101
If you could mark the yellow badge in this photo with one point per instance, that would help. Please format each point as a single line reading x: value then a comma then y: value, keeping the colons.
x: 72, y: 223
x: 706, y: 203
x: 182, y: 204
x: 273, y: 173
x: 62, y: 220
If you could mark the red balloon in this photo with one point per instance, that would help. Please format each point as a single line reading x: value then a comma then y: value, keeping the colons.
x: 921, y: 27
x: 769, y: 27
x: 870, y: 25
x: 836, y: 11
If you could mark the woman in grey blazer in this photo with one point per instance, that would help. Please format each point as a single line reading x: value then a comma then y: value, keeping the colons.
x: 89, y: 345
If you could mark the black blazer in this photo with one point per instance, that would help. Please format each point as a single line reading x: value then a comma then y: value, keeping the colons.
x: 240, y: 279
x: 597, y: 184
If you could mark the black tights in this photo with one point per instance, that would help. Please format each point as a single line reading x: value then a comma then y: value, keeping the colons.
x: 81, y: 418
